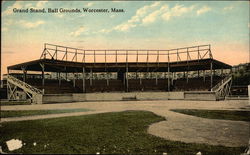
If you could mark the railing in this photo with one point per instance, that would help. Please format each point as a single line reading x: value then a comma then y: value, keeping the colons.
x: 221, y: 83
x: 23, y: 85
x: 57, y: 52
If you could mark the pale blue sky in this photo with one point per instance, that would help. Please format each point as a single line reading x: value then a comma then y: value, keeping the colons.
x: 152, y: 25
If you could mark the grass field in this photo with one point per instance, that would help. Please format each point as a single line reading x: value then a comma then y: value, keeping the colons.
x: 217, y: 114
x: 15, y: 113
x: 107, y: 133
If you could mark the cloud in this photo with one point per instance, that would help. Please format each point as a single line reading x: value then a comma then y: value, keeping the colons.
x: 152, y: 17
x: 151, y: 13
x: 104, y: 31
x: 134, y: 20
x: 40, y: 4
x: 142, y: 11
x: 124, y: 27
x: 59, y: 15
x: 28, y: 5
x: 89, y: 4
x: 27, y: 24
x: 204, y: 9
x: 9, y: 9
x: 177, y: 10
x: 19, y: 5
x: 78, y: 31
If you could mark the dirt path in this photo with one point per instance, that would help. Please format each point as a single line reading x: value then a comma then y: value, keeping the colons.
x: 178, y: 127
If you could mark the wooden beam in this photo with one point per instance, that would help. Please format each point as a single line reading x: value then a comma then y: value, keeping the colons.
x: 83, y: 80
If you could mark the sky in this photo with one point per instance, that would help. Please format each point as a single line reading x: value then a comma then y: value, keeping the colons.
x: 143, y: 25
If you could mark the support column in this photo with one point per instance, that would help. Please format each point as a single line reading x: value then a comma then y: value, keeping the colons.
x: 107, y: 78
x: 204, y: 78
x: 83, y: 80
x: 24, y: 74
x: 187, y: 76
x: 59, y: 78
x: 211, y: 75
x: 172, y: 79
x: 140, y: 79
x: 168, y: 78
x: 91, y: 77
x: 43, y: 79
x: 124, y: 79
x: 156, y: 79
x: 127, y: 78
x: 74, y: 80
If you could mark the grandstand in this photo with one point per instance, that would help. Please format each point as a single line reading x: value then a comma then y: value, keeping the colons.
x: 65, y: 71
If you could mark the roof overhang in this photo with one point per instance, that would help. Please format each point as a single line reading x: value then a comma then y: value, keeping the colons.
x: 70, y: 66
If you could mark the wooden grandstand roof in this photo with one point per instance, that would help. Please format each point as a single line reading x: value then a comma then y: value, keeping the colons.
x: 52, y: 65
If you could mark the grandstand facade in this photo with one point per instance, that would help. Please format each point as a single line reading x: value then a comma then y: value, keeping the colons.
x: 67, y: 70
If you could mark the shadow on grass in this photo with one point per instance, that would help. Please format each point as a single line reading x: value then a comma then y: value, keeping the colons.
x: 217, y: 114
x: 20, y: 113
x: 107, y: 133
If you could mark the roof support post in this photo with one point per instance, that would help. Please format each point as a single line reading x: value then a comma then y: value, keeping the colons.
x: 140, y: 78
x: 187, y: 76
x: 211, y: 75
x: 43, y: 79
x: 74, y: 80
x: 124, y: 79
x: 172, y: 79
x: 83, y: 80
x: 107, y: 78
x: 204, y: 79
x: 127, y: 77
x: 168, y: 77
x: 91, y: 77
x: 24, y: 73
x: 156, y: 79
x: 59, y: 76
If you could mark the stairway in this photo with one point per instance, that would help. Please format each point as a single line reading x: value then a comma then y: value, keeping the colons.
x: 34, y: 93
x: 222, y: 88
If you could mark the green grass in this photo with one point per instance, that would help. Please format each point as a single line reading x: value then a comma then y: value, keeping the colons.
x: 18, y: 113
x: 107, y: 133
x: 4, y: 103
x: 217, y: 114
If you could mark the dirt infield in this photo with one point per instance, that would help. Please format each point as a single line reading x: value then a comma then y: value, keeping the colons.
x: 177, y: 127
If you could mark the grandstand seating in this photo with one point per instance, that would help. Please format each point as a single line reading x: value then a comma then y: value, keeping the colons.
x: 101, y: 85
x: 52, y: 86
x: 115, y: 85
x: 195, y: 84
